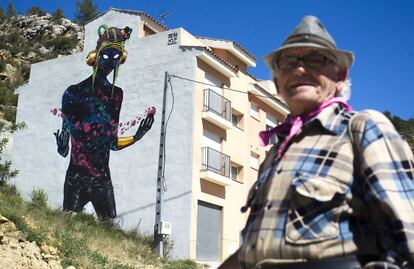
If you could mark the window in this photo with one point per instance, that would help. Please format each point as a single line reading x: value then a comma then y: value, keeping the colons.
x: 211, y: 140
x: 214, y: 83
x: 236, y: 172
x: 236, y: 118
x: 254, y: 110
x: 254, y: 160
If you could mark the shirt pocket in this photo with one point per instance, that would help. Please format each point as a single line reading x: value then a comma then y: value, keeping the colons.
x: 315, y: 208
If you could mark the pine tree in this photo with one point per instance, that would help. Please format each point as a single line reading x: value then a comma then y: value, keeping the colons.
x: 6, y: 170
x: 35, y: 10
x: 2, y: 14
x: 11, y: 11
x: 405, y: 128
x: 86, y: 10
x: 58, y: 14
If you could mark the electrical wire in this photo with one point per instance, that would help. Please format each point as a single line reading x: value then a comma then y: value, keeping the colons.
x: 222, y: 87
x: 164, y: 182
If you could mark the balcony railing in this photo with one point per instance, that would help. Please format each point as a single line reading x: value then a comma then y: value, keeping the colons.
x: 215, y: 161
x: 217, y: 104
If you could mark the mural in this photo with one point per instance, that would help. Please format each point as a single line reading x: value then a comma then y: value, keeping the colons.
x: 90, y: 120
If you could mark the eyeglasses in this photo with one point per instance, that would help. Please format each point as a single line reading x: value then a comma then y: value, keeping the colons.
x: 312, y: 60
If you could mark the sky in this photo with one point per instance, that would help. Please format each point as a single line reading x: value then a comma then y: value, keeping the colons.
x: 379, y: 32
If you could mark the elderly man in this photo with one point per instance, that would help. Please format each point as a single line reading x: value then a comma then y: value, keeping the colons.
x: 337, y: 190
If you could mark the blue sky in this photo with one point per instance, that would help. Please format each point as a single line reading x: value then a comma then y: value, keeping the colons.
x: 380, y: 32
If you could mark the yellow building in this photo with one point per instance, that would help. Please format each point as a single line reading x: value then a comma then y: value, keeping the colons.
x: 226, y: 130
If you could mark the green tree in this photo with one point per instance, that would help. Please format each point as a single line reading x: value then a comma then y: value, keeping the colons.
x: 11, y: 11
x: 86, y: 10
x: 6, y: 170
x: 35, y: 10
x: 404, y: 127
x: 58, y: 14
x: 2, y: 14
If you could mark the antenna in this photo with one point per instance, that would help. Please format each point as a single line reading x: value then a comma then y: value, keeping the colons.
x: 163, y: 15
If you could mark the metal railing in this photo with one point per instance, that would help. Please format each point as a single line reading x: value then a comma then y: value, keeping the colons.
x: 217, y: 104
x: 215, y: 161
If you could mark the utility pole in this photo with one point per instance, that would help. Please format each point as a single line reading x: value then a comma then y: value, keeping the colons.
x: 158, y: 236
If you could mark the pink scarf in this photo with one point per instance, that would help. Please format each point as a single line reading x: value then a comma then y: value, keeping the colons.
x: 294, y: 124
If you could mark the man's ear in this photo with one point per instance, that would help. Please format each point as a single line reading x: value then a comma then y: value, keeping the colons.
x: 342, y: 77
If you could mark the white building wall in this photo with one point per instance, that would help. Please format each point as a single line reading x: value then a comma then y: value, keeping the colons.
x: 134, y: 169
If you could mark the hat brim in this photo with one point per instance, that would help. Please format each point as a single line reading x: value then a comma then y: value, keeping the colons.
x: 345, y: 57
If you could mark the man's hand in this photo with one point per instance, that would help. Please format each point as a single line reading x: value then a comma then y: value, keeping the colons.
x: 144, y: 127
x: 62, y: 141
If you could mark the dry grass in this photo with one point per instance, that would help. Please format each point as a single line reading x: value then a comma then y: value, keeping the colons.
x: 81, y: 240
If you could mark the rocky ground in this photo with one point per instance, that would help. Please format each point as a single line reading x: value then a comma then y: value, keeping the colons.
x: 18, y: 253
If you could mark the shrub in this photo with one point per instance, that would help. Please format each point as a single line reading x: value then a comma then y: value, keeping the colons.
x: 9, y: 113
x: 57, y: 15
x: 7, y: 96
x: 72, y: 248
x: 181, y: 264
x: 35, y: 10
x: 11, y: 190
x: 12, y: 39
x: 25, y: 70
x: 62, y: 43
x: 6, y: 173
x: 39, y: 198
x: 121, y: 266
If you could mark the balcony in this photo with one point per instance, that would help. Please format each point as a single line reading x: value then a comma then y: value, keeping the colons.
x: 215, y: 166
x: 217, y: 109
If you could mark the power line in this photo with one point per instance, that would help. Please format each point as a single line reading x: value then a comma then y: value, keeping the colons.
x: 222, y: 87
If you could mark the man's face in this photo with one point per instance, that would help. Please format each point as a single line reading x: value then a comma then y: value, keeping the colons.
x: 306, y: 87
x: 108, y: 60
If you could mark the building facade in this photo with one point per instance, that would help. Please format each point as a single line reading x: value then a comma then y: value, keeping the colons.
x: 212, y: 148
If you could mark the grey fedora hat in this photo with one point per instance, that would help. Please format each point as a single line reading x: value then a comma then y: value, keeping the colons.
x: 311, y: 33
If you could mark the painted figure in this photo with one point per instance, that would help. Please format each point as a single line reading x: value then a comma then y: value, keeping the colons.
x: 90, y: 113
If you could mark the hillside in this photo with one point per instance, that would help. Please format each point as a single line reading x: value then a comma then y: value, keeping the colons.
x: 34, y: 236
x: 29, y: 39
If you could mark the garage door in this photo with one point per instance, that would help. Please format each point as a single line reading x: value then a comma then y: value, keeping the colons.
x: 209, y: 219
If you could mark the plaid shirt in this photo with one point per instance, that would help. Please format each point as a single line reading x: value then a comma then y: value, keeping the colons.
x: 328, y: 197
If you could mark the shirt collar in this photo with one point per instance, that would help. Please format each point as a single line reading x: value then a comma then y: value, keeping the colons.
x: 329, y: 119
